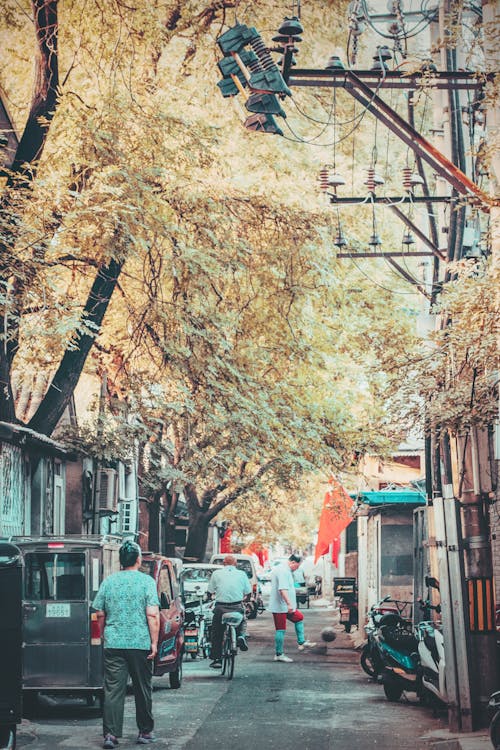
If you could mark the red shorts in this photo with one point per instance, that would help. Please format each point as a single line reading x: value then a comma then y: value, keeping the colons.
x: 280, y: 618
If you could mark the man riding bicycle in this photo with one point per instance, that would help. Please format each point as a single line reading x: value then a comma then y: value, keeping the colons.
x: 229, y: 587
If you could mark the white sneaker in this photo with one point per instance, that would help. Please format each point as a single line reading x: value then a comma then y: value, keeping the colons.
x: 306, y: 644
x: 282, y: 657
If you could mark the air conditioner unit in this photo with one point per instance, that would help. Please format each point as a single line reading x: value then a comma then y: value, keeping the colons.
x: 107, y: 490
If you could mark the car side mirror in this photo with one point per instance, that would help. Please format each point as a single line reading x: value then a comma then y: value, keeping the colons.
x: 164, y: 601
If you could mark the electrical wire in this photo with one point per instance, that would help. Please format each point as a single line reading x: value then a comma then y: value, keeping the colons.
x: 352, y: 257
x: 361, y: 115
x: 408, y: 34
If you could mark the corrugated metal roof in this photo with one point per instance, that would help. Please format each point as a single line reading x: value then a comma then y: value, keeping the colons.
x: 12, y: 432
x: 390, y: 497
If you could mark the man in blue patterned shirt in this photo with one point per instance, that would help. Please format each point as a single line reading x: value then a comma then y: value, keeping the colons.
x: 128, y: 606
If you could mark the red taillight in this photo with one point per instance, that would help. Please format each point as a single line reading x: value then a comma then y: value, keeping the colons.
x: 95, y: 630
x: 254, y: 588
x: 55, y: 545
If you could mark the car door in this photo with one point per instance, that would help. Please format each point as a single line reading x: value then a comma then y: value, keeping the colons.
x: 170, y: 637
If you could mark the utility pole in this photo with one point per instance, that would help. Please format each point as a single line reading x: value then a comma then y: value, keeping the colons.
x: 467, y: 479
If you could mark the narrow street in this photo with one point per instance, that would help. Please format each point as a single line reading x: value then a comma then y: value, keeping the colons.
x: 322, y: 700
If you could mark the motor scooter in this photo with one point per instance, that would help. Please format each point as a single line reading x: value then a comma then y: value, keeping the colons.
x: 197, y: 624
x: 432, y: 668
x: 397, y: 646
x: 371, y: 661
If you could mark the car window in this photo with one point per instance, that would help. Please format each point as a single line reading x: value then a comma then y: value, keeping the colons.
x: 165, y: 583
x: 245, y: 566
x: 55, y: 576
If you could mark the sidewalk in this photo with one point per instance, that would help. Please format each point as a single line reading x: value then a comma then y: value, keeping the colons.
x: 446, y: 740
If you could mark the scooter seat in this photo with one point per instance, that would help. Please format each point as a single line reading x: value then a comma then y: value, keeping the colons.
x: 400, y: 639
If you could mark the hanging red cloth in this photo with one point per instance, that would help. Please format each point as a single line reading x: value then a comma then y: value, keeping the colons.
x: 256, y: 548
x: 335, y: 517
x: 225, y: 542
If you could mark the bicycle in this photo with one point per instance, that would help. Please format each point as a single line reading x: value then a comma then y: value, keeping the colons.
x: 230, y: 620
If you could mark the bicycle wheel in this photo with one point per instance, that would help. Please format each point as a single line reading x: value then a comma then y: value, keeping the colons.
x: 228, y: 652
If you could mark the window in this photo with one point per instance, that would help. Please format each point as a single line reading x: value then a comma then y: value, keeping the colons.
x: 397, y: 553
x: 55, y: 576
x: 165, y: 583
x: 126, y: 516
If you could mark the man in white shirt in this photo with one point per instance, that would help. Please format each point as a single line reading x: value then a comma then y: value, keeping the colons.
x: 283, y: 605
x: 229, y: 586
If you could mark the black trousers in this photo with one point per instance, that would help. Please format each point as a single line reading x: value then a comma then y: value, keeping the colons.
x: 218, y: 630
x: 118, y: 664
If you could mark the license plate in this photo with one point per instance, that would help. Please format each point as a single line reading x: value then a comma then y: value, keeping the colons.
x: 58, y: 609
x: 344, y: 612
x: 190, y: 642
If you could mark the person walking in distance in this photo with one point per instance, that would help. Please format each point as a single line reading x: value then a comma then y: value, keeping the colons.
x: 283, y: 605
x: 127, y: 605
x: 229, y: 587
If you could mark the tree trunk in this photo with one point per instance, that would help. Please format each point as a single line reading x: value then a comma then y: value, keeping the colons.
x: 66, y: 378
x: 154, y: 523
x: 44, y: 101
x: 29, y: 150
x: 170, y: 550
x: 170, y: 512
x: 197, y: 536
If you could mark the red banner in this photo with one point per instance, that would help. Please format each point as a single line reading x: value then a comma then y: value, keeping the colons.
x: 225, y: 542
x: 335, y: 517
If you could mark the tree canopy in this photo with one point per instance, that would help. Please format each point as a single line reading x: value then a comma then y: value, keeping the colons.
x: 145, y: 235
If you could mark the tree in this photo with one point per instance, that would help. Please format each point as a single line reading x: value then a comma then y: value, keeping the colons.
x: 236, y: 350
x: 240, y: 377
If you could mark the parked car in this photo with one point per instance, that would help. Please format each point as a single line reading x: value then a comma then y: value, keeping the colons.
x: 194, y: 581
x: 246, y: 563
x: 171, y: 635
x: 178, y: 565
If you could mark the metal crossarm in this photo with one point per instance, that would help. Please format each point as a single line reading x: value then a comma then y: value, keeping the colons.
x: 391, y: 79
x: 429, y: 153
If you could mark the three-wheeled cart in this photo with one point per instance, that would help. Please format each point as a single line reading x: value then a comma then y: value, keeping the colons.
x: 62, y: 642
x: 10, y: 644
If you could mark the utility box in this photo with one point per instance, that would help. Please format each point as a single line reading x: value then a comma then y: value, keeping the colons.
x: 10, y: 643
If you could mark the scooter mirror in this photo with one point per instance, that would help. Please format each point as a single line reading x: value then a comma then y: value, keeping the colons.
x: 431, y: 583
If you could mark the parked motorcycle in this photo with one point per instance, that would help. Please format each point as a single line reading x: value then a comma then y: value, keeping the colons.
x: 346, y: 591
x: 371, y: 661
x: 431, y: 650
x: 397, y: 646
x: 197, y: 624
x: 494, y: 712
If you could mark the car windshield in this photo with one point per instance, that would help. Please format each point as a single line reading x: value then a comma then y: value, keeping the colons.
x: 197, y: 574
x: 245, y: 566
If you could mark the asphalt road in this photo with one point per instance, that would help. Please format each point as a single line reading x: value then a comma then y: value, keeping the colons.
x: 322, y: 701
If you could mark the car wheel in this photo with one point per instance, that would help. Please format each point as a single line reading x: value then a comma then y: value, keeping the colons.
x: 175, y: 677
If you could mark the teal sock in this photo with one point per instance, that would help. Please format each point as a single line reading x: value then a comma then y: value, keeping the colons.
x: 299, y: 631
x: 279, y: 641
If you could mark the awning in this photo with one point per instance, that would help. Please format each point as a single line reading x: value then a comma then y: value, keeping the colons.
x: 390, y: 497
